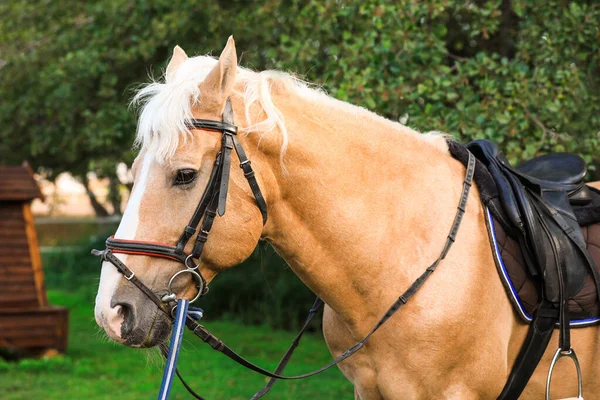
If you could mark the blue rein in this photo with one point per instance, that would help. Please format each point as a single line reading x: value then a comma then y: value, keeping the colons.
x: 182, y: 311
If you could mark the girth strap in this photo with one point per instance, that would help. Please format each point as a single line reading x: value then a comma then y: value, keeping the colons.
x: 538, y: 336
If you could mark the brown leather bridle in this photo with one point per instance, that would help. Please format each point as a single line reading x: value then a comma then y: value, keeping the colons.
x: 212, y: 202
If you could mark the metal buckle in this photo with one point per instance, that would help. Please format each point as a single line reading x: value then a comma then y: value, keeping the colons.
x: 570, y: 354
x: 130, y: 277
x: 170, y: 296
x: 189, y: 259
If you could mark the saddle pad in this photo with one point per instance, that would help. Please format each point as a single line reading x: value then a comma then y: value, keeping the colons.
x: 524, y: 291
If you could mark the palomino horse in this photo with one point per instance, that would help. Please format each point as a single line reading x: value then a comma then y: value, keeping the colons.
x: 358, y: 207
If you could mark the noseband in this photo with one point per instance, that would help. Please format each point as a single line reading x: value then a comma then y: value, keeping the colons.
x: 213, y: 201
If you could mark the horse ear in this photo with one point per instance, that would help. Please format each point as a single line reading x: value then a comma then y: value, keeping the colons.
x: 179, y: 57
x: 221, y: 79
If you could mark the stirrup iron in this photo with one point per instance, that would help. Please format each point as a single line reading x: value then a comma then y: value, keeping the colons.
x: 570, y: 354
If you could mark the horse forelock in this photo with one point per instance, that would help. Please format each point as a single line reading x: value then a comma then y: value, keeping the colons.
x: 166, y: 105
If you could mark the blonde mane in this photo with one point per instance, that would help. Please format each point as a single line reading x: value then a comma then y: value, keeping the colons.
x: 167, y: 105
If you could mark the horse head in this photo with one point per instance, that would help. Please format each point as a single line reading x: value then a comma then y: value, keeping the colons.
x: 171, y: 174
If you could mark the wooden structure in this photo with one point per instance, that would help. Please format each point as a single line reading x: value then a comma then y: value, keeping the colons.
x: 27, y: 322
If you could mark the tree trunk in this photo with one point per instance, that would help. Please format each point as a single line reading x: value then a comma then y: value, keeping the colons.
x: 505, y: 30
x: 98, y: 208
x: 596, y: 174
x: 114, y: 195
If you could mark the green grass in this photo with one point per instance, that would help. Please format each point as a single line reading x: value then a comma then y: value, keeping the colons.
x: 94, y: 368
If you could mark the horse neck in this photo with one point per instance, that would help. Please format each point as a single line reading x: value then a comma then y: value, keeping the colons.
x: 354, y: 207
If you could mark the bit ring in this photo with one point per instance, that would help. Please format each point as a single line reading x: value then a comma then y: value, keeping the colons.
x: 170, y: 296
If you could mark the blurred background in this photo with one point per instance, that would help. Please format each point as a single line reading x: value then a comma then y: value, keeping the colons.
x: 523, y: 73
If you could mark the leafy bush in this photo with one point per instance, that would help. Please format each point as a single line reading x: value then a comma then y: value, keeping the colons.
x: 523, y: 73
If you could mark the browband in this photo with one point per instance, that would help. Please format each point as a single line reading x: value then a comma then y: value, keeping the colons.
x: 214, y: 125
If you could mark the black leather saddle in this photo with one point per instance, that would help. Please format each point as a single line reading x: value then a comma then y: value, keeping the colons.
x: 540, y: 204
x: 537, y: 198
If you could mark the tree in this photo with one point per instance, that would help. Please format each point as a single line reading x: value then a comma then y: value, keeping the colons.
x: 522, y: 73
x: 66, y: 73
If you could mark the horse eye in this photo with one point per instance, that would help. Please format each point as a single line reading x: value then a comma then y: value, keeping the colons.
x: 185, y: 177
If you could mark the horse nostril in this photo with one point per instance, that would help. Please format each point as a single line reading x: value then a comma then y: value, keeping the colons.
x: 126, y: 313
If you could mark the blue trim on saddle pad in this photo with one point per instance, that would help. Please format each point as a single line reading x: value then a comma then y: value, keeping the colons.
x: 516, y: 301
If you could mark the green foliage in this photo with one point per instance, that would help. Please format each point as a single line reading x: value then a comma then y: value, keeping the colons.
x: 73, y: 268
x: 522, y: 73
x: 96, y: 369
x: 262, y: 290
